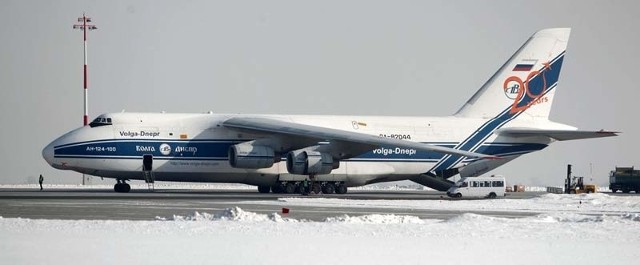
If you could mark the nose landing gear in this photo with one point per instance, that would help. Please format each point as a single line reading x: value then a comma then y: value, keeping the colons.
x: 121, y: 186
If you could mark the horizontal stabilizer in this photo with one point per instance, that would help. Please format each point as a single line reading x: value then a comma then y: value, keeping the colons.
x: 559, y: 135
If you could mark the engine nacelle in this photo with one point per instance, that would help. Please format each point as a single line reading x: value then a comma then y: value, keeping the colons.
x: 251, y: 156
x: 310, y: 163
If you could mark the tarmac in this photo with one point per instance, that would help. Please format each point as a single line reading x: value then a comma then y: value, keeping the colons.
x: 105, y: 204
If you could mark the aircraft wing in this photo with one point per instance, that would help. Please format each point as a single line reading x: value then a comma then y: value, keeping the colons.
x: 560, y: 135
x: 266, y: 125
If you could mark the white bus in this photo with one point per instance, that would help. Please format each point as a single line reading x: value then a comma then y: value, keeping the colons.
x: 478, y: 187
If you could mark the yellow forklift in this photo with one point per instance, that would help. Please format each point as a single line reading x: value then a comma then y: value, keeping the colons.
x: 575, y: 185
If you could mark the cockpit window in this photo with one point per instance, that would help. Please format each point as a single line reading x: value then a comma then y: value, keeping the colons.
x: 100, y: 121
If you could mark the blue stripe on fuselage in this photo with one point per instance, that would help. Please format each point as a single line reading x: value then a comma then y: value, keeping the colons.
x: 137, y: 148
x: 218, y: 150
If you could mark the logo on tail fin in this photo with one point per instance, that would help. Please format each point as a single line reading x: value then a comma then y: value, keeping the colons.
x: 526, y: 65
x: 524, y: 93
x: 511, y: 89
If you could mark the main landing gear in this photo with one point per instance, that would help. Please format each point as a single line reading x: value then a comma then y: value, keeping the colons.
x: 121, y: 186
x: 291, y: 187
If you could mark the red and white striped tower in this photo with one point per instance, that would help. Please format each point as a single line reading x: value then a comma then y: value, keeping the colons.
x: 85, y: 27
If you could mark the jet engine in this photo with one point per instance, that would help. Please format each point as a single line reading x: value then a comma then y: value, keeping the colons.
x: 310, y: 163
x: 246, y: 155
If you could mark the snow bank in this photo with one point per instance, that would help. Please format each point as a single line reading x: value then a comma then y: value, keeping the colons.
x: 595, y: 203
x: 234, y: 236
x: 238, y: 215
x: 376, y: 219
x: 593, y: 228
x: 231, y: 214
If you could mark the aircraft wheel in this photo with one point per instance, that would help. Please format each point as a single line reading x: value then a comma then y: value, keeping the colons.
x: 341, y: 189
x: 316, y: 188
x: 289, y: 188
x: 304, y: 190
x: 278, y: 188
x: 264, y: 189
x: 329, y: 188
x: 121, y: 187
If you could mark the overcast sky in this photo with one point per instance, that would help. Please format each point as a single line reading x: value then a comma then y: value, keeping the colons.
x: 415, y: 58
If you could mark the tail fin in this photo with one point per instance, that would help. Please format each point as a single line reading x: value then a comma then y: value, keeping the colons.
x: 525, y: 83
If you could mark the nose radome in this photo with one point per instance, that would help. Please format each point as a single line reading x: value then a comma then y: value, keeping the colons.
x: 47, y: 153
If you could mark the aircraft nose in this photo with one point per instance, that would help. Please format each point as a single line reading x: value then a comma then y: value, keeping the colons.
x: 47, y: 153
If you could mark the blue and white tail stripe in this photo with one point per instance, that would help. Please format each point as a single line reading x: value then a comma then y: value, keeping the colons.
x: 547, y: 75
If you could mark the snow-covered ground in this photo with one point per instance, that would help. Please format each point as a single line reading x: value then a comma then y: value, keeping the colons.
x: 228, y: 186
x: 571, y: 229
x: 598, y: 203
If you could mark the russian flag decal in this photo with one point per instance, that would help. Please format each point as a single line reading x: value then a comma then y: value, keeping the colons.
x: 525, y: 65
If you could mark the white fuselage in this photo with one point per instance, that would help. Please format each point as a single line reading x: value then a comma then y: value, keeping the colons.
x: 194, y: 147
x: 507, y: 117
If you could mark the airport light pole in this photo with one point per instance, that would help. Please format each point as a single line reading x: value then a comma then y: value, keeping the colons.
x: 85, y: 28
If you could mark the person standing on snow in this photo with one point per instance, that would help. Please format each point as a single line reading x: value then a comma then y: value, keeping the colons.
x: 40, y: 180
x: 305, y: 187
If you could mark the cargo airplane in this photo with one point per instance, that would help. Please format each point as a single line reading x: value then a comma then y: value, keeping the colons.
x: 506, y: 118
